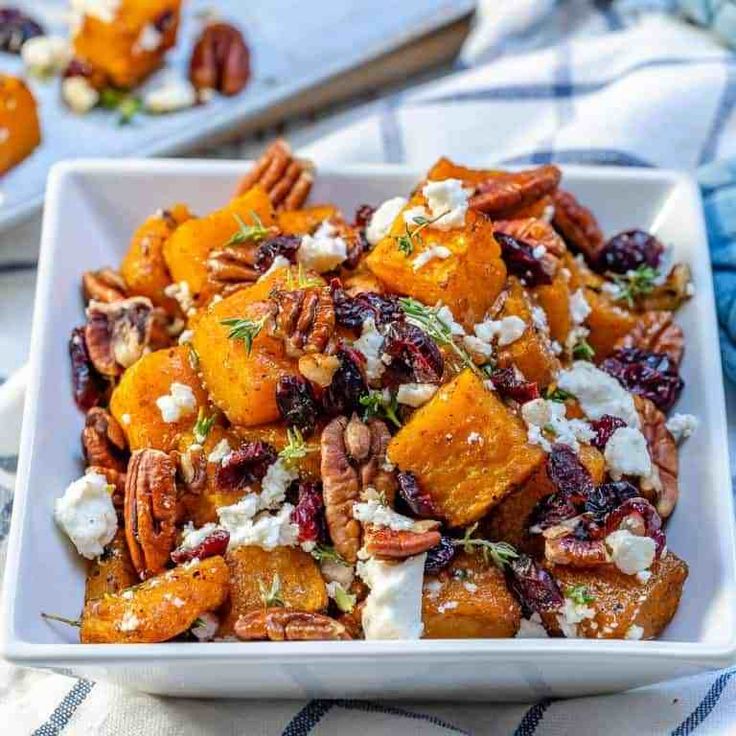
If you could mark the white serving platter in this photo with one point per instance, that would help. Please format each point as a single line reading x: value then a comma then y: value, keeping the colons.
x: 295, y: 47
x: 92, y: 207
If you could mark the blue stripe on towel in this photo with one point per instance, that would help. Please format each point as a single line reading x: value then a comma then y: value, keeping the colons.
x: 705, y: 706
x: 17, y: 266
x: 308, y: 717
x: 63, y: 712
x: 721, y: 117
x: 9, y: 463
x: 6, y: 511
x: 532, y: 718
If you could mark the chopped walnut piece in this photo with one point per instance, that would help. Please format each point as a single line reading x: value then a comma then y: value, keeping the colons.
x: 103, y: 441
x: 501, y: 195
x: 656, y: 332
x: 304, y: 318
x: 105, y: 285
x: 577, y: 225
x: 285, y: 624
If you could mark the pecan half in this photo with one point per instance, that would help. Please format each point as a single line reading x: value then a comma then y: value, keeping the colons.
x: 220, y: 60
x: 232, y: 268
x: 395, y: 544
x: 375, y: 471
x: 656, y: 332
x: 577, y: 225
x: 105, y: 285
x: 116, y: 334
x: 562, y: 547
x: 103, y: 441
x: 285, y: 624
x: 287, y: 180
x: 663, y: 488
x: 500, y: 195
x: 150, y: 510
x: 304, y: 318
x: 672, y: 293
x: 534, y: 232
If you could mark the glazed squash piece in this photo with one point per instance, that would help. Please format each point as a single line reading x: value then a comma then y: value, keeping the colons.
x: 159, y: 609
x: 554, y: 298
x: 18, y: 120
x: 301, y: 222
x: 143, y: 268
x: 253, y: 571
x: 446, y: 169
x: 112, y: 571
x: 186, y: 251
x: 467, y: 282
x: 133, y: 402
x: 608, y: 323
x: 467, y: 449
x: 469, y: 600
x: 623, y: 606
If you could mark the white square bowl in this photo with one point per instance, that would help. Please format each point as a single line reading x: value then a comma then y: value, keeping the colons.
x: 92, y: 207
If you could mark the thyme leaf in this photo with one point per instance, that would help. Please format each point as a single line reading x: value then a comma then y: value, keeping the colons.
x: 244, y: 329
x: 247, y: 233
x: 382, y: 405
x: 296, y: 447
x: 579, y: 594
x: 635, y: 284
x: 499, y: 553
x: 271, y: 597
x: 203, y: 425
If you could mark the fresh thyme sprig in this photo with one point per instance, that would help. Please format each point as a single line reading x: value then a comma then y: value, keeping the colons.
x: 244, y: 329
x: 583, y: 350
x: 247, y: 233
x: 579, y: 594
x: 296, y: 447
x: 497, y: 552
x: 271, y: 597
x: 557, y: 394
x: 203, y: 425
x: 412, y: 237
x: 634, y: 284
x: 126, y: 105
x: 303, y: 280
x: 382, y: 405
x: 323, y: 553
x: 69, y: 621
x: 429, y: 320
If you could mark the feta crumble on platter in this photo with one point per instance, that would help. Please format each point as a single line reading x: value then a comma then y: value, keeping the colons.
x: 322, y: 251
x: 383, y: 218
x: 178, y: 403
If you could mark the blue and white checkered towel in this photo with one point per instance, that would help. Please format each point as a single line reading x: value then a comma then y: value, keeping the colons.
x: 565, y: 81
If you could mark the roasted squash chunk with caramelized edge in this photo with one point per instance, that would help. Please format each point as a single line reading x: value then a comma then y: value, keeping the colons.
x: 292, y: 574
x: 243, y: 382
x: 112, y: 571
x: 18, y: 122
x: 133, y: 404
x: 554, y: 299
x: 159, y: 609
x: 623, y: 606
x: 509, y: 521
x: 467, y: 449
x: 143, y: 268
x: 468, y: 281
x: 607, y: 323
x: 446, y: 169
x: 469, y: 600
x: 187, y: 250
x: 307, y: 220
x: 532, y: 352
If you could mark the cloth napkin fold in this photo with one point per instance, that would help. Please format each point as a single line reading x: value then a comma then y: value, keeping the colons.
x: 578, y: 81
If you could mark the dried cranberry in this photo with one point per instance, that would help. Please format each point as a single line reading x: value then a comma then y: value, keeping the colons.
x: 521, y: 261
x: 629, y: 250
x: 357, y: 246
x: 414, y: 355
x: 309, y: 513
x: 551, y: 511
x: 15, y: 29
x: 510, y: 386
x: 644, y: 513
x: 439, y: 556
x: 535, y: 588
x: 567, y: 473
x: 296, y: 403
x: 607, y: 497
x: 342, y: 396
x: 282, y: 245
x: 363, y: 216
x: 212, y: 545
x: 352, y: 311
x: 88, y: 386
x: 652, y: 375
x: 245, y: 465
x: 416, y: 499
x: 164, y: 21
x: 604, y: 429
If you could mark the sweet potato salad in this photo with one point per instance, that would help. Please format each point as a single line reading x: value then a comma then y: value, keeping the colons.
x: 442, y: 416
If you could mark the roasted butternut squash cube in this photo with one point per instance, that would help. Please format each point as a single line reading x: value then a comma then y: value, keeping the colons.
x: 242, y: 383
x: 446, y: 169
x: 18, y: 121
x: 509, y: 520
x: 554, y: 298
x: 112, y: 571
x: 622, y: 606
x: 468, y: 281
x: 290, y: 571
x: 188, y: 248
x: 159, y: 609
x: 133, y: 402
x: 608, y: 323
x: 143, y: 268
x: 307, y: 220
x: 129, y: 41
x: 467, y: 449
x: 469, y: 600
x: 532, y: 352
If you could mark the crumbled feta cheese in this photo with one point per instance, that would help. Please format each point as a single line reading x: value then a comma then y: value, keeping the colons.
x: 572, y: 614
x: 194, y: 537
x: 149, y: 39
x: 447, y: 606
x: 383, y: 218
x: 538, y: 251
x: 178, y: 403
x: 548, y: 213
x: 539, y: 319
x: 446, y: 316
x: 393, y: 608
x: 531, y: 628
x: 129, y: 622
x: 86, y: 514
x: 433, y: 589
x: 475, y: 438
x: 104, y: 10
x: 275, y: 483
x: 265, y: 530
x: 448, y: 201
x: 542, y: 415
x: 324, y: 250
x: 598, y: 393
x: 579, y: 307
x: 506, y: 330
x: 413, y: 214
x: 335, y: 572
x: 186, y: 337
x: 173, y: 95
x: 611, y: 289
x: 470, y: 587
x: 278, y: 262
x: 627, y: 453
x: 435, y: 251
x: 238, y: 513
x: 690, y: 289
x: 374, y: 512
x: 205, y: 626
x: 369, y: 344
x: 556, y: 347
x: 682, y: 426
x: 79, y: 94
x: 634, y: 632
x: 183, y: 295
x: 630, y: 553
x: 476, y: 346
x: 126, y: 419
x: 643, y: 576
x: 127, y: 594
x: 45, y: 55
x: 219, y: 452
x: 415, y: 394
